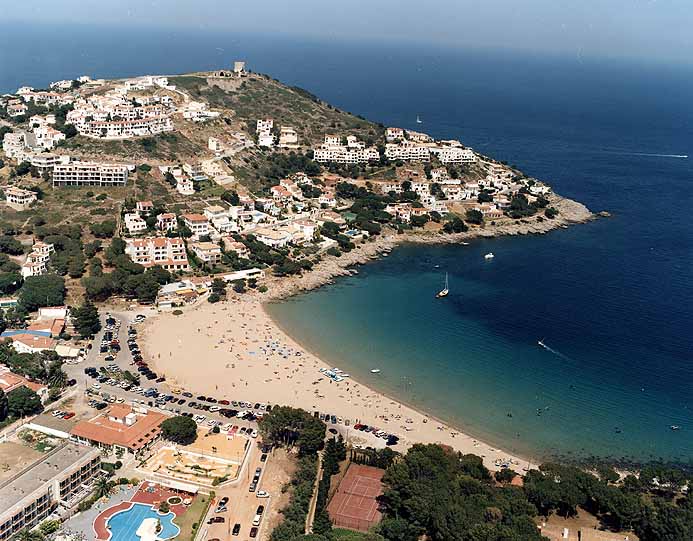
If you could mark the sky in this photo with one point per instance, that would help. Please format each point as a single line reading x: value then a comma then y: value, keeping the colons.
x: 653, y: 30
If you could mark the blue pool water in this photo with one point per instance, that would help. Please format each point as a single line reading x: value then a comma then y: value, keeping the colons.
x: 123, y: 525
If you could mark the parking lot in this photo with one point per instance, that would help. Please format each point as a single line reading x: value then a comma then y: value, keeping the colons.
x: 114, y: 371
x: 242, y: 513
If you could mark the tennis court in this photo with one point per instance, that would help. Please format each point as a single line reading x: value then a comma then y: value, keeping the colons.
x: 355, y: 506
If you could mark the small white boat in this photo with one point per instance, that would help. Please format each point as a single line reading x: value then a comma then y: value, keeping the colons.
x: 375, y: 371
x: 675, y: 427
x: 489, y: 255
x: 465, y: 244
x: 541, y: 343
x: 418, y: 120
x: 444, y: 292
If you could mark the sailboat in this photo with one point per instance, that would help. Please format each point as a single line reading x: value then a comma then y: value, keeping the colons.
x: 444, y: 292
x: 418, y: 120
x: 541, y: 343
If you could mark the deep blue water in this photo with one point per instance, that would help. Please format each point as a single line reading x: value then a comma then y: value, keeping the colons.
x: 612, y: 298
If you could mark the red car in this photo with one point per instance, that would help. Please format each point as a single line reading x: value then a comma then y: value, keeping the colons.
x: 69, y: 415
x: 224, y: 402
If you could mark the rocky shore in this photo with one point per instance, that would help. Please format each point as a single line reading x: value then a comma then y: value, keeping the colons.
x: 570, y: 213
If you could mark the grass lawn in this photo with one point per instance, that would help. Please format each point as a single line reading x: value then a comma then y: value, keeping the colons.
x: 194, y: 515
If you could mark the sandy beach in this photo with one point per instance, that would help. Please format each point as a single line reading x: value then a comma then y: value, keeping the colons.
x: 234, y: 350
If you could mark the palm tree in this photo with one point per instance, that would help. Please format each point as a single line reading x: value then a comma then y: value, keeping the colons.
x: 103, y: 487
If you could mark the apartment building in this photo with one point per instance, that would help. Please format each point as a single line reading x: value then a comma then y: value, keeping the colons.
x: 36, y: 262
x: 344, y: 154
x: 58, y: 479
x: 13, y: 144
x: 197, y: 223
x: 124, y: 129
x: 166, y: 221
x: 454, y: 154
x: 408, y: 151
x: 134, y: 223
x: 168, y: 253
x: 288, y: 138
x: 19, y: 199
x: 207, y: 252
x: 89, y: 174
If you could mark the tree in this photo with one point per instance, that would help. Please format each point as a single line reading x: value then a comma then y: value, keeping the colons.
x: 103, y: 230
x: 10, y: 245
x: 86, y: 319
x: 22, y: 402
x: 39, y: 291
x: 231, y: 197
x: 550, y: 213
x: 10, y: 282
x: 219, y: 286
x: 102, y: 487
x: 474, y: 216
x: 3, y: 406
x: 289, y: 426
x: 179, y: 429
x: 456, y: 225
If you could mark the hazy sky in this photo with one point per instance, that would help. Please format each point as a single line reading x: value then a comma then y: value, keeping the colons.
x: 648, y: 29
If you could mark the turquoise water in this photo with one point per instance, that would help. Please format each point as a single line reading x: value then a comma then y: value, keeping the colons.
x: 123, y: 525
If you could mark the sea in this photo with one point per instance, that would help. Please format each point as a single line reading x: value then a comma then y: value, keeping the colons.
x: 611, y: 300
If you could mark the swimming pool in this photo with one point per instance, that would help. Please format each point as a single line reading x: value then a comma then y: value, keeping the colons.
x: 123, y: 525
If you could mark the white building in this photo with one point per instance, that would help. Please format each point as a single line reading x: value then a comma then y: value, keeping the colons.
x: 134, y: 223
x: 37, y: 260
x: 47, y: 136
x: 89, y: 174
x: 14, y: 144
x: 288, y: 138
x: 454, y: 154
x: 207, y: 252
x: 272, y: 237
x: 185, y: 186
x: 197, y: 223
x: 394, y: 134
x: 264, y: 125
x: 18, y: 198
x: 168, y: 253
x: 166, y: 221
x: 124, y: 129
x: 332, y: 150
x: 265, y: 139
x: 408, y: 151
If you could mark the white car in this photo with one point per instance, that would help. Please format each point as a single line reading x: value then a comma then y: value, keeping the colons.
x: 96, y: 386
x: 262, y: 494
x: 214, y: 409
x: 253, y: 434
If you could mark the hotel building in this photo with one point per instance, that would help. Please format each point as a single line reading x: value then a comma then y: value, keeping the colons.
x: 58, y: 479
x: 168, y: 253
x: 89, y: 174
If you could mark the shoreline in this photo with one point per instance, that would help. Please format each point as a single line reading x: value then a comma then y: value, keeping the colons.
x: 452, y: 425
x: 288, y: 374
x: 570, y: 213
x: 250, y: 323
